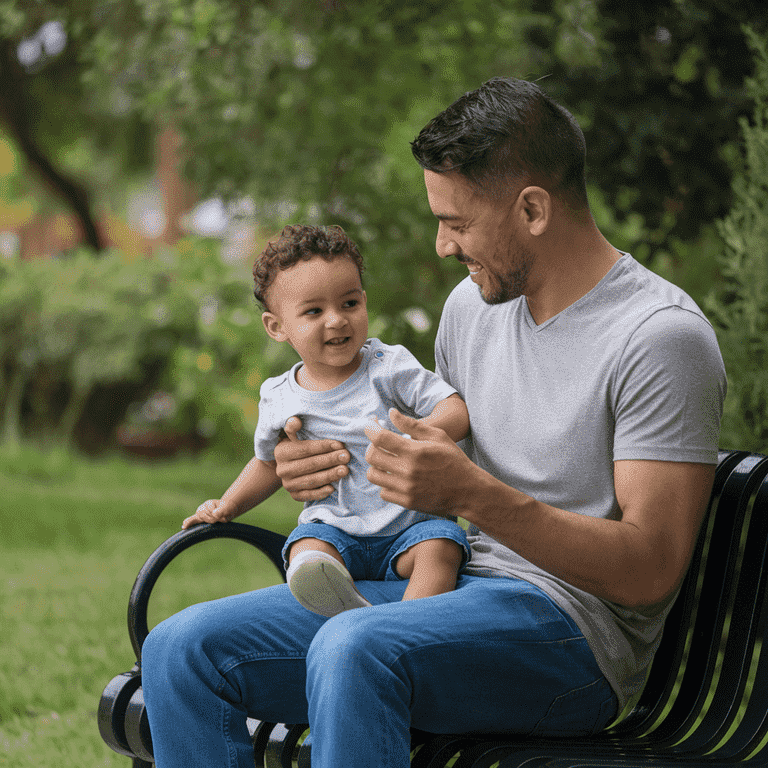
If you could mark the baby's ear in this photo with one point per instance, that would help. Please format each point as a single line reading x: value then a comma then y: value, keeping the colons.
x: 273, y: 326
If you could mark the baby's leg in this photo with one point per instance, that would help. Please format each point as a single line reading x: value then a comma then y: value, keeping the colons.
x: 431, y: 566
x: 314, y: 545
x: 318, y: 578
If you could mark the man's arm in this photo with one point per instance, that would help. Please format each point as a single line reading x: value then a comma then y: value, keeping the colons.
x: 636, y: 561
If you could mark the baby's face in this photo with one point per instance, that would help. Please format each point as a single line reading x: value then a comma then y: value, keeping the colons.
x: 319, y: 308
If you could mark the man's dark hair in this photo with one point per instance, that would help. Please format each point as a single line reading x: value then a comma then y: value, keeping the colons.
x: 507, y: 130
x: 299, y: 242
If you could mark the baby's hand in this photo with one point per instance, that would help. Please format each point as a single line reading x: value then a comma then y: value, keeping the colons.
x: 212, y: 511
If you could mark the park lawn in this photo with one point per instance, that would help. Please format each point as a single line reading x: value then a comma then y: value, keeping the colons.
x: 73, y: 535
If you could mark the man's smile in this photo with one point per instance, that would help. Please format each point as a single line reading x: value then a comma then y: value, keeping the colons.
x: 471, y: 264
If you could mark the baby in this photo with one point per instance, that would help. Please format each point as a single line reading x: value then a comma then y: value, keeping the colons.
x: 309, y: 282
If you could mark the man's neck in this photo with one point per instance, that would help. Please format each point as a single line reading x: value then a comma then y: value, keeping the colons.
x: 576, y: 264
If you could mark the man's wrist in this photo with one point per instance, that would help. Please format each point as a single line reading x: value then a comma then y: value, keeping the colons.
x: 491, y: 505
x: 473, y: 494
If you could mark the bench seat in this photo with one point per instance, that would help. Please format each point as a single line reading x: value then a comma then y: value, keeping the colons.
x: 705, y: 702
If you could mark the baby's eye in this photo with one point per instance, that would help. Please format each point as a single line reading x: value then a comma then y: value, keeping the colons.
x: 313, y: 311
x: 351, y: 303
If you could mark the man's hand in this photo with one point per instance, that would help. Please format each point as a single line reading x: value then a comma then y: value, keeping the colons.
x: 426, y: 473
x: 308, y: 467
x: 212, y: 511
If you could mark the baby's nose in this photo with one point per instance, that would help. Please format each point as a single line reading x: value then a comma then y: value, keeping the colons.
x: 334, y: 319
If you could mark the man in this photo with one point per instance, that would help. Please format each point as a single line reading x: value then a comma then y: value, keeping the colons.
x: 594, y: 390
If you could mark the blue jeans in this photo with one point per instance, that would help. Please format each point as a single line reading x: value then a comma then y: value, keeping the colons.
x: 493, y: 655
x: 373, y: 557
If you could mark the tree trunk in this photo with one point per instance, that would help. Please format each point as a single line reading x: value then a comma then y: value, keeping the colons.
x: 15, y: 111
x: 72, y: 413
x: 11, y: 424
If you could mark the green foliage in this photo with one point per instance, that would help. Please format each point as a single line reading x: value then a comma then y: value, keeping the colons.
x: 308, y: 109
x: 78, y: 331
x: 739, y: 307
x: 659, y: 101
x: 60, y: 107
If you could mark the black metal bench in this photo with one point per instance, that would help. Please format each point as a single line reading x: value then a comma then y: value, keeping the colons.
x: 705, y: 702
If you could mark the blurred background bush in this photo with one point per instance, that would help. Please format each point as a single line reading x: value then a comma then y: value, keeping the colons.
x: 159, y: 354
x: 148, y: 150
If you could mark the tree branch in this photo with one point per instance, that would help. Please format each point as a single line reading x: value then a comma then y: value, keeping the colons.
x: 15, y: 110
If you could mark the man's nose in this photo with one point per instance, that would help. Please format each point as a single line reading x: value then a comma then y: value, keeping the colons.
x: 445, y: 245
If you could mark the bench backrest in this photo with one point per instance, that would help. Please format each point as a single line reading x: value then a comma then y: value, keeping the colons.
x: 708, y: 680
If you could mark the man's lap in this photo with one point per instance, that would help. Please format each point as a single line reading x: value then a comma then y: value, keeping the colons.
x: 494, y: 655
x: 473, y: 655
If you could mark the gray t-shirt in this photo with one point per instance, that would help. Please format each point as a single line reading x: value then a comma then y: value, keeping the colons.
x: 388, y: 377
x: 632, y: 370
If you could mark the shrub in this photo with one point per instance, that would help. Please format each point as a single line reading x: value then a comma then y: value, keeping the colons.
x: 739, y: 307
x: 86, y: 340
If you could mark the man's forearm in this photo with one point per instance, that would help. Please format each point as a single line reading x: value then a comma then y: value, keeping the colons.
x: 636, y: 561
x: 431, y: 474
x: 589, y: 553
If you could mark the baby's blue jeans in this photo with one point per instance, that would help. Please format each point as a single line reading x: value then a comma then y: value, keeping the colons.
x: 495, y: 655
x: 374, y: 557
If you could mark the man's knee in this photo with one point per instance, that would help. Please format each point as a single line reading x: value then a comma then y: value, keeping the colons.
x: 163, y: 645
x: 345, y: 641
x: 175, y: 646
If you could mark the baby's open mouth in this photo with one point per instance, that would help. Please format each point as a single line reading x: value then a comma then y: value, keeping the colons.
x: 337, y: 342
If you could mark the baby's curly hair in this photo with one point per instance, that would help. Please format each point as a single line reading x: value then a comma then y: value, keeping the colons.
x: 300, y: 242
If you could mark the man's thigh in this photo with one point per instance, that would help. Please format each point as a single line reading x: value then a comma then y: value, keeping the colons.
x: 258, y: 643
x: 493, y: 655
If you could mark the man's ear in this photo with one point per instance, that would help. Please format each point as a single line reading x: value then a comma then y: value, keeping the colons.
x: 535, y: 205
x: 273, y: 326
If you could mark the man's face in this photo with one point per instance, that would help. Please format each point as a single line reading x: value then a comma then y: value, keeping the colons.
x: 479, y: 231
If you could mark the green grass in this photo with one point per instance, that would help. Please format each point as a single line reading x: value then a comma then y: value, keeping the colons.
x: 73, y: 535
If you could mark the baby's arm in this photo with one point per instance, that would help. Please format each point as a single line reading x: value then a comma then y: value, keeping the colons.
x: 450, y: 415
x: 257, y: 482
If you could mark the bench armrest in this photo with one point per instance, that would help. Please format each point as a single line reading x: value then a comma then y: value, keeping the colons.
x: 267, y: 542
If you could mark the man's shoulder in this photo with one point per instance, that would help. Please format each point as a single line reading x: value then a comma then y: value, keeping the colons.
x: 465, y: 303
x: 633, y: 296
x: 649, y: 292
x: 464, y: 293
